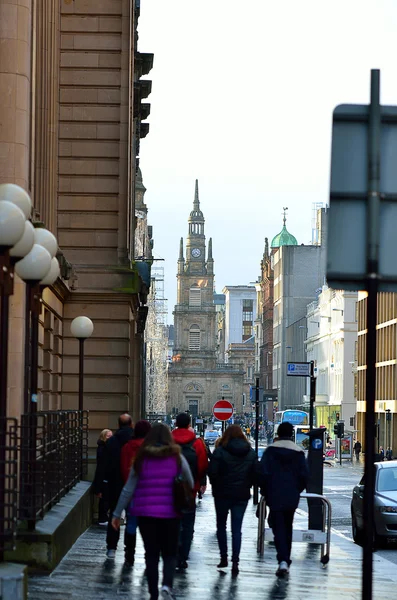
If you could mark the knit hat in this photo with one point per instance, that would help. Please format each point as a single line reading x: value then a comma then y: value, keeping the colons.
x: 141, y: 428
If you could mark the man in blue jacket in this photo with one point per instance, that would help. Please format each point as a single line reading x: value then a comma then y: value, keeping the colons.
x: 283, y: 476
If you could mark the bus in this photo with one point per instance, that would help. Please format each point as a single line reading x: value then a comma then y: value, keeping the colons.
x: 295, y: 417
x: 301, y: 436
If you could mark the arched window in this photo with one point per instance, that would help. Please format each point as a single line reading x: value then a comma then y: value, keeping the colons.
x: 195, y: 296
x: 194, y: 337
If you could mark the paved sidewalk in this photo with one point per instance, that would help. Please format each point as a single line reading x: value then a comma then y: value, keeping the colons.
x: 85, y: 573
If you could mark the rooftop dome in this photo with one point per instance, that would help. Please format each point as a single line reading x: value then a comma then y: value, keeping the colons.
x: 284, y: 238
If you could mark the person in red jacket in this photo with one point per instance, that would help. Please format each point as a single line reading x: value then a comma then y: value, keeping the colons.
x: 195, y: 452
x: 127, y: 457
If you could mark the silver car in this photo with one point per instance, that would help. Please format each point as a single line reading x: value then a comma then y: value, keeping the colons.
x: 385, y: 504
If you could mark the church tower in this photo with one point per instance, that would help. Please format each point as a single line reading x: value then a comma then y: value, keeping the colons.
x: 195, y: 379
x: 194, y: 315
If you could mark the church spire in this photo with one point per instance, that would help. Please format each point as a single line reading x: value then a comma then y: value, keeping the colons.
x: 196, y: 203
x: 210, y: 249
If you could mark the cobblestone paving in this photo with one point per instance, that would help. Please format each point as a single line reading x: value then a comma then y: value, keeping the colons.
x: 86, y: 573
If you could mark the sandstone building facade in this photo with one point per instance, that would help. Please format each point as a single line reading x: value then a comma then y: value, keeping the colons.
x: 71, y: 118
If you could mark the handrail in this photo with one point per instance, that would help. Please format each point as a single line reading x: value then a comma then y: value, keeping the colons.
x: 327, y: 516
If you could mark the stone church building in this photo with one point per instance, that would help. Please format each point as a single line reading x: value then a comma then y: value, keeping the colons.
x: 196, y: 380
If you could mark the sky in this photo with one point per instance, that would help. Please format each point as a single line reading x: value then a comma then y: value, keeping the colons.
x: 242, y: 98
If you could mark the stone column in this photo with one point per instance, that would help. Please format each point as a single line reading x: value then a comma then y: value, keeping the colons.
x: 15, y: 68
x: 15, y: 119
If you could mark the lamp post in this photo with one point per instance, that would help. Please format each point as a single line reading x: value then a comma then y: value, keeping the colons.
x: 81, y: 328
x: 15, y: 207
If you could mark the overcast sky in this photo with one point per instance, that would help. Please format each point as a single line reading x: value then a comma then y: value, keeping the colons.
x: 242, y: 99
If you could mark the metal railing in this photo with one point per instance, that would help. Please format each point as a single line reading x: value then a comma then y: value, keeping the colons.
x: 54, y: 454
x: 8, y: 482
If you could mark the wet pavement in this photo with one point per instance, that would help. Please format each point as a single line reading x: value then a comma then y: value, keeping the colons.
x: 86, y: 573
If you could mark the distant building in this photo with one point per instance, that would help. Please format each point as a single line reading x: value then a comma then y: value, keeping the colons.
x: 240, y: 311
x: 196, y: 378
x: 298, y: 272
x: 331, y: 343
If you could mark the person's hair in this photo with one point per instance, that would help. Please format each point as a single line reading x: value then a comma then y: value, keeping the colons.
x: 103, y: 434
x: 183, y: 420
x: 285, y: 430
x: 159, y: 435
x: 125, y: 420
x: 233, y: 431
x: 141, y: 429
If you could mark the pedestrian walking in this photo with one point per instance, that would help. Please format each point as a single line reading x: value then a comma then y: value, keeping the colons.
x: 195, y: 452
x: 389, y: 454
x: 357, y: 449
x: 113, y: 479
x: 149, y: 496
x: 127, y: 457
x: 232, y: 472
x: 283, y: 476
x: 100, y: 489
x: 381, y: 453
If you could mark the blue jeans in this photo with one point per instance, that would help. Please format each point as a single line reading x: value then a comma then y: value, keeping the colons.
x: 237, y: 509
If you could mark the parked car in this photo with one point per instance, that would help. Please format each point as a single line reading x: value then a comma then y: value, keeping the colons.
x: 210, y: 436
x: 385, y: 517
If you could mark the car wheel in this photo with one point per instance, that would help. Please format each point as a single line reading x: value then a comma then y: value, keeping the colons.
x: 356, y: 532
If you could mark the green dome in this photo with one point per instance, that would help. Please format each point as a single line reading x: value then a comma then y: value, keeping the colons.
x: 284, y: 238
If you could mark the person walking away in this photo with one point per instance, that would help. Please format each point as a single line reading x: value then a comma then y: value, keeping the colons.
x: 101, y: 490
x: 283, y: 476
x: 148, y: 494
x: 113, y: 478
x: 127, y: 457
x: 389, y: 454
x: 232, y: 472
x: 195, y: 452
x: 357, y: 449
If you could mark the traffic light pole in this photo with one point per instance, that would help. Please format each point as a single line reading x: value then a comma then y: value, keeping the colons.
x: 312, y: 394
x: 256, y: 491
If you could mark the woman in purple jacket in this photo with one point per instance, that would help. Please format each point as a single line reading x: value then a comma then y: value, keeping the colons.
x: 150, y: 486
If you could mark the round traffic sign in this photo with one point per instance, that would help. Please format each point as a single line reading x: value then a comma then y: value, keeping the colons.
x: 223, y: 410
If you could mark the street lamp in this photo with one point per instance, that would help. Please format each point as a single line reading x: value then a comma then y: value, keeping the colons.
x: 81, y: 328
x: 32, y: 269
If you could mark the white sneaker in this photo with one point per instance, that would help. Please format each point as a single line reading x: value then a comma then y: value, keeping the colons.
x: 282, y: 569
x: 167, y: 593
x: 111, y: 554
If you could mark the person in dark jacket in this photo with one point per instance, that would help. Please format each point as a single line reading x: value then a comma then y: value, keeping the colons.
x: 283, y: 476
x: 100, y: 489
x: 232, y: 472
x: 113, y: 479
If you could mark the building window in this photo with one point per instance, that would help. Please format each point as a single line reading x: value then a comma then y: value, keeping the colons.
x: 194, y: 338
x: 195, y: 296
x: 248, y: 311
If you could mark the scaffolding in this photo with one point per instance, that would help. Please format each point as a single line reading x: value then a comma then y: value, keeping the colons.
x: 156, y: 339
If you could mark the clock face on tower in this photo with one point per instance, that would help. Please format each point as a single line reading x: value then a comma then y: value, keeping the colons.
x: 196, y: 252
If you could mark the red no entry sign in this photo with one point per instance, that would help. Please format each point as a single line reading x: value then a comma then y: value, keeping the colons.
x: 223, y: 410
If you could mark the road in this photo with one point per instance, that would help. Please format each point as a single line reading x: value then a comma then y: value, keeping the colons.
x: 338, y: 486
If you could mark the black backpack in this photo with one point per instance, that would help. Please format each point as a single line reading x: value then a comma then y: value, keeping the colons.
x: 191, y: 456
